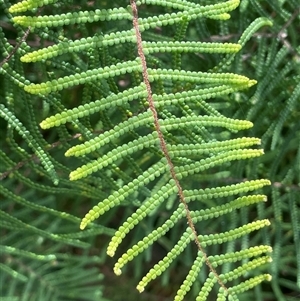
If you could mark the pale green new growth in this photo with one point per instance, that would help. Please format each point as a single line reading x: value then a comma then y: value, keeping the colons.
x: 94, y: 107
x: 84, y: 77
x: 116, y: 154
x: 84, y: 44
x: 28, y: 5
x: 73, y: 18
x: 118, y: 196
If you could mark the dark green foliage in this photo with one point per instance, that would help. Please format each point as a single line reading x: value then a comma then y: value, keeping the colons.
x: 80, y: 140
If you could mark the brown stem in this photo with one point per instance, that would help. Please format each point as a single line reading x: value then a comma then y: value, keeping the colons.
x: 163, y: 144
x: 16, y: 47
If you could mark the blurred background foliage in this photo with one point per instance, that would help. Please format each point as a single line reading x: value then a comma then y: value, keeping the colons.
x: 44, y: 255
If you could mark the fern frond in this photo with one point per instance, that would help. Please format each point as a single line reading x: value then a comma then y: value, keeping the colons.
x: 85, y: 43
x: 185, y: 239
x: 116, y: 154
x: 150, y: 115
x: 25, y: 134
x: 186, y: 47
x: 73, y: 18
x: 26, y: 254
x: 190, y: 278
x: 118, y: 196
x: 28, y: 5
x: 231, y: 124
x: 291, y: 103
x: 9, y: 221
x: 119, y: 99
x: 83, y: 77
x: 178, y: 214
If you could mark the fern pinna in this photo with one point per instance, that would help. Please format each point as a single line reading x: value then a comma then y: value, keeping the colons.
x: 153, y: 129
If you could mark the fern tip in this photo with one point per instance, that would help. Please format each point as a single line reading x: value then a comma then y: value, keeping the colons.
x: 252, y: 82
x: 140, y: 288
x: 82, y: 226
x: 110, y: 253
x: 117, y: 271
x: 42, y: 125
